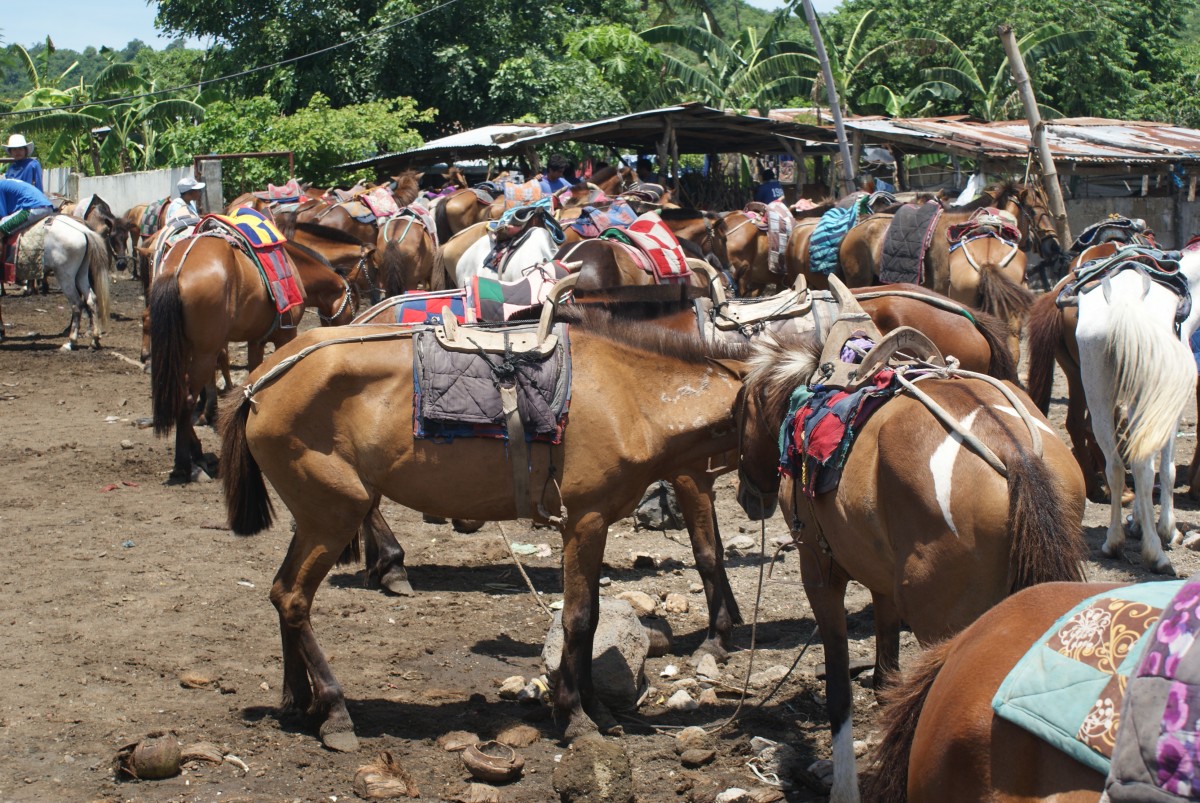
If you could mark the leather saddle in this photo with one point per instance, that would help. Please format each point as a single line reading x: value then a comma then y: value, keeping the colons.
x: 749, y: 314
x: 539, y: 341
x: 901, y: 345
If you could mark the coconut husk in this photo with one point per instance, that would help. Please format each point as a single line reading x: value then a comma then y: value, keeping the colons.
x: 383, y: 779
x: 154, y: 757
x: 203, y: 751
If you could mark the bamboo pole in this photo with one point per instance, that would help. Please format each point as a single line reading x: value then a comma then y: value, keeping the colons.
x: 835, y: 108
x: 1037, y: 132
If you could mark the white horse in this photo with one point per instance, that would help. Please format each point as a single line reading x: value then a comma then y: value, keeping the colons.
x: 536, y: 245
x: 72, y: 251
x: 1138, y: 376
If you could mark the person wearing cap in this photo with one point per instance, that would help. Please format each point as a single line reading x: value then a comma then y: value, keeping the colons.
x: 24, y: 167
x: 189, y: 196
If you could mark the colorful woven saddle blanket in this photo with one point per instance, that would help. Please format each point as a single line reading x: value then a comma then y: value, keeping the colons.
x: 1114, y: 228
x: 645, y: 192
x: 152, y: 218
x: 819, y: 429
x: 1069, y: 688
x: 985, y: 222
x: 381, y: 202
x: 485, y: 193
x: 1157, y: 749
x: 523, y: 194
x: 831, y: 229
x: 494, y: 300
x: 425, y: 309
x: 22, y: 251
x: 1160, y: 267
x: 288, y: 193
x: 780, y: 222
x: 654, y: 247
x: 257, y: 236
x: 906, y: 241
x: 593, y: 220
x: 456, y: 394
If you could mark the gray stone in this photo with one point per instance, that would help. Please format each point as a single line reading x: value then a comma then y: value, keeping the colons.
x: 734, y: 795
x: 696, y: 588
x: 740, y: 543
x: 682, y: 701
x: 618, y: 653
x: 697, y: 757
x: 658, y: 509
x: 708, y: 697
x: 126, y: 444
x: 768, y: 677
x: 594, y: 771
x: 707, y: 667
x: 643, y: 604
x: 693, y: 738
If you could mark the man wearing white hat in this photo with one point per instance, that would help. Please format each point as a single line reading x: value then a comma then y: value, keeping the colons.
x: 24, y: 167
x: 189, y: 196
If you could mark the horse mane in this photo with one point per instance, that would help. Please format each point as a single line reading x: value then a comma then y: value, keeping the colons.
x: 777, y: 370
x: 619, y: 326
x: 408, y: 186
x: 330, y: 233
x: 993, y: 195
x: 313, y: 254
x: 686, y: 213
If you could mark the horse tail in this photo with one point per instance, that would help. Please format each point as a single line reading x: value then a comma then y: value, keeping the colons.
x: 995, y: 332
x: 100, y: 265
x: 441, y: 220
x: 886, y: 781
x: 1047, y: 542
x: 1001, y: 296
x: 1045, y: 335
x: 391, y: 268
x: 1154, y: 376
x: 439, y: 274
x: 247, y: 502
x: 168, y: 384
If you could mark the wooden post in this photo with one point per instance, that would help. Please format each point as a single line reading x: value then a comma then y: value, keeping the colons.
x: 1037, y: 132
x: 835, y: 108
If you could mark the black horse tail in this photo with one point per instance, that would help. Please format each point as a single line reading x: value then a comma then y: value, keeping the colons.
x: 887, y: 779
x: 246, y: 500
x: 1047, y: 542
x: 995, y: 332
x: 168, y: 379
x: 441, y: 220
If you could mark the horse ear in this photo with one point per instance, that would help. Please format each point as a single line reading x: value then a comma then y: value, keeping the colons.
x: 737, y: 368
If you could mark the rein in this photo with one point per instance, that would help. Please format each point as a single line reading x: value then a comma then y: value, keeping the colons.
x: 346, y: 294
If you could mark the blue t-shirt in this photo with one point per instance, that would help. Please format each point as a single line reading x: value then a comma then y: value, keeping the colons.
x: 28, y: 170
x: 550, y: 187
x: 17, y: 195
x: 768, y: 191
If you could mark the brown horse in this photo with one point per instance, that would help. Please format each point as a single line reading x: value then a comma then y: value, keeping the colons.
x: 604, y: 264
x: 209, y: 294
x: 461, y: 210
x: 942, y: 741
x: 304, y: 431
x: 452, y: 250
x: 988, y: 273
x: 935, y: 547
x: 409, y: 258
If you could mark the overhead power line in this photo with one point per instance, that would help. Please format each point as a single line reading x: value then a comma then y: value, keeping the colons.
x: 240, y: 74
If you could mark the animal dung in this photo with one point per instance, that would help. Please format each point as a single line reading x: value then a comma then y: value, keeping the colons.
x: 154, y: 757
x: 384, y: 779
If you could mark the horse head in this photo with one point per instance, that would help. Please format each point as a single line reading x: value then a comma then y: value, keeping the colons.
x: 1028, y: 203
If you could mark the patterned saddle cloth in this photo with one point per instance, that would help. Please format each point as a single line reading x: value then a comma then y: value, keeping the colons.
x: 654, y: 247
x: 1114, y: 228
x: 522, y: 194
x: 1158, y: 744
x: 985, y: 222
x: 152, y: 218
x: 22, y: 252
x: 381, y: 202
x: 907, y: 239
x: 831, y: 229
x: 179, y: 228
x: 288, y: 193
x: 494, y: 300
x: 457, y: 393
x: 593, y: 220
x: 1069, y: 688
x: 1160, y: 267
x: 258, y: 238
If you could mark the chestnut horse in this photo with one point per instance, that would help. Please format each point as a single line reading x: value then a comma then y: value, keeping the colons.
x: 644, y: 404
x: 407, y: 256
x: 936, y: 548
x: 452, y: 250
x: 942, y: 740
x: 209, y: 294
x: 461, y: 210
x: 988, y: 273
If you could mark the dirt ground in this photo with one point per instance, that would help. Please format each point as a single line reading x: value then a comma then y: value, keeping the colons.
x: 118, y: 584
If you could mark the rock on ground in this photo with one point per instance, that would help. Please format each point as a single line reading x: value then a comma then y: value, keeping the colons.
x: 618, y: 653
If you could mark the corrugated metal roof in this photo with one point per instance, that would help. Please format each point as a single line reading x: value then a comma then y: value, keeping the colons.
x: 1086, y: 141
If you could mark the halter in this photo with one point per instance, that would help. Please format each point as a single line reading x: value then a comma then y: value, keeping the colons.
x: 967, y: 240
x: 346, y: 294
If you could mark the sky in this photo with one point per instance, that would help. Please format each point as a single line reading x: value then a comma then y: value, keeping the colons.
x: 78, y: 23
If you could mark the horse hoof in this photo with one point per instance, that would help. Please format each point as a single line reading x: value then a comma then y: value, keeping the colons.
x: 396, y: 582
x: 1163, y: 566
x: 467, y: 526
x: 711, y: 648
x: 340, y: 741
x: 580, y: 727
x: 1109, y: 553
x: 66, y: 347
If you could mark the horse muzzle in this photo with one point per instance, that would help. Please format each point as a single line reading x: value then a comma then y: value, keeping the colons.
x: 122, y: 263
x: 757, y: 505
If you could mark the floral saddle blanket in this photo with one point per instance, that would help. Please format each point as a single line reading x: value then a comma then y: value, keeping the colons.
x: 1071, y: 688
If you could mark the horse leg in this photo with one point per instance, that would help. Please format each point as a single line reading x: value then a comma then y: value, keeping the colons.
x: 186, y: 447
x: 385, y: 556
x: 1116, y: 484
x: 223, y: 364
x: 1143, y: 517
x: 254, y: 355
x: 694, y: 491
x: 887, y: 640
x: 826, y: 591
x: 1166, y: 482
x: 574, y: 697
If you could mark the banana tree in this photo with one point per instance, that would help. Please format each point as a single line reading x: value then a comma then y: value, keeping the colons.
x: 46, y: 90
x: 996, y: 98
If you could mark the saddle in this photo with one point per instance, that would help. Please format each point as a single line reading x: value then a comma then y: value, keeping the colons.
x: 719, y: 318
x: 22, y: 249
x: 985, y: 222
x: 152, y: 218
x: 177, y: 229
x: 645, y: 192
x: 255, y: 234
x: 906, y: 242
x: 593, y: 220
x: 654, y: 247
x: 1160, y: 267
x: 381, y: 202
x: 410, y: 214
x: 522, y: 340
x: 288, y: 193
x: 1114, y: 228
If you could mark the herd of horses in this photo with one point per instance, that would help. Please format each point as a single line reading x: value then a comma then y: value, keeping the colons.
x: 987, y: 539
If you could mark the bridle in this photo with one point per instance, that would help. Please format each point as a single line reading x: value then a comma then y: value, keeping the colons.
x: 347, y: 294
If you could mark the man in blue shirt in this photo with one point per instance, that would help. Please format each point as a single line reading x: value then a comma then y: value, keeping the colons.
x: 770, y: 189
x: 553, y: 180
x: 21, y: 204
x: 23, y: 167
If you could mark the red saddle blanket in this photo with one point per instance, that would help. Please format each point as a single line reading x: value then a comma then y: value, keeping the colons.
x: 264, y: 244
x: 655, y: 248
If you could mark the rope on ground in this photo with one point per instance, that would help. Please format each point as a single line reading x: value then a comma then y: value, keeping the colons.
x: 536, y: 596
